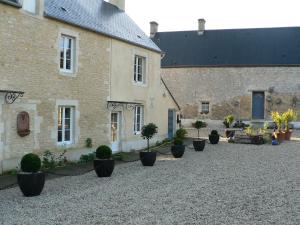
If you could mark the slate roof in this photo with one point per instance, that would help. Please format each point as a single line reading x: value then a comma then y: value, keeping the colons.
x: 12, y: 2
x: 101, y: 17
x: 232, y: 47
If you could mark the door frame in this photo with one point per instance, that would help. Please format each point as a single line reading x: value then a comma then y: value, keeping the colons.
x: 252, y: 92
x: 174, y: 121
x: 120, y: 119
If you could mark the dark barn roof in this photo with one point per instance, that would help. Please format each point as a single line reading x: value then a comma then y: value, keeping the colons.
x: 101, y: 17
x: 232, y: 47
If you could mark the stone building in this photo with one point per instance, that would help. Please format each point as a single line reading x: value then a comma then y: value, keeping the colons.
x: 244, y: 72
x: 77, y: 69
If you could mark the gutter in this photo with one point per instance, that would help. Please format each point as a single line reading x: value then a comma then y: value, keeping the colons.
x: 170, y: 93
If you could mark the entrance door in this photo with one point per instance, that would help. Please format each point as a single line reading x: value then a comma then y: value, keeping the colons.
x: 258, y: 105
x: 171, y: 123
x: 115, y: 131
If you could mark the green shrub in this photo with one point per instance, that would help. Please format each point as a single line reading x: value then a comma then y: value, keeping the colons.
x: 214, y: 132
x: 228, y: 120
x: 31, y: 163
x: 89, y: 143
x: 103, y: 152
x: 85, y: 158
x: 178, y: 141
x: 181, y: 133
x: 50, y: 161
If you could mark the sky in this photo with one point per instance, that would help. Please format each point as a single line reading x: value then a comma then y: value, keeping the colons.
x: 174, y: 15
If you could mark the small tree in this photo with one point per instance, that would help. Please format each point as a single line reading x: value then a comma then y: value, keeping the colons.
x: 198, y: 125
x: 228, y: 120
x: 148, y: 131
x: 278, y: 119
x: 287, y: 117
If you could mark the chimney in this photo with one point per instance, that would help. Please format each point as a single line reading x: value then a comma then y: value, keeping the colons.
x: 153, y: 29
x: 201, y: 26
x: 118, y: 3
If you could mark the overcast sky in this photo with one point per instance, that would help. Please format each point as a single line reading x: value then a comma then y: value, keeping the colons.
x: 175, y: 15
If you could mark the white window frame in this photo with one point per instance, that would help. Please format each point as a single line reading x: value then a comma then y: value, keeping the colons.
x: 29, y: 6
x: 138, y: 129
x: 65, y: 39
x: 205, y: 107
x: 143, y: 69
x: 63, y: 130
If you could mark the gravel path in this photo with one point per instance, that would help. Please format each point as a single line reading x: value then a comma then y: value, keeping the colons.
x: 226, y: 184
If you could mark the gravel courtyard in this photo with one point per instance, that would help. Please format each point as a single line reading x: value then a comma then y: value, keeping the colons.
x: 226, y: 184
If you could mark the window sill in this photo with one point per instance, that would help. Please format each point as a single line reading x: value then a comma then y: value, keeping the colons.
x: 139, y: 84
x: 67, y: 73
x: 137, y: 133
x: 65, y: 144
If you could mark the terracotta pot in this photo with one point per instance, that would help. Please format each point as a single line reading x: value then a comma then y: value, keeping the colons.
x: 280, y: 136
x: 288, y: 135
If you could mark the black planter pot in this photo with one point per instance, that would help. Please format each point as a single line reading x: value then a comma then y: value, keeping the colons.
x: 104, y: 167
x: 31, y: 184
x: 199, y: 144
x: 214, y: 139
x: 148, y: 158
x: 177, y: 150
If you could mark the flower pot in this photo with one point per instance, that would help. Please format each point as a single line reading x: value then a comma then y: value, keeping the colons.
x: 31, y: 184
x: 148, y: 158
x: 214, y: 139
x: 257, y: 139
x: 280, y: 136
x: 199, y: 144
x: 104, y: 167
x: 177, y: 150
x: 287, y: 135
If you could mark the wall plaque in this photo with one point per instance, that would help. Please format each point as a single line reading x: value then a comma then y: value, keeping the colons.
x: 23, y: 124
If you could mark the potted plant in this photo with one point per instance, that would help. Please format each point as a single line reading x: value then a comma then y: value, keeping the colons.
x: 31, y: 180
x: 198, y: 143
x: 278, y: 119
x: 148, y: 158
x: 214, y: 137
x: 228, y: 120
x: 178, y: 148
x: 287, y: 117
x: 104, y: 164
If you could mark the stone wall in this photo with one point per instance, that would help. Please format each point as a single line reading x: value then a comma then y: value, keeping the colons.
x: 229, y: 89
x: 29, y: 62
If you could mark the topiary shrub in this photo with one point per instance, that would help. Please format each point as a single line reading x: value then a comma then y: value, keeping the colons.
x: 214, y: 132
x: 31, y: 163
x: 181, y: 133
x: 178, y: 141
x: 148, y: 131
x: 103, y: 152
x: 198, y: 125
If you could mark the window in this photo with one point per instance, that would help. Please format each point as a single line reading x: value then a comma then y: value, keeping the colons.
x: 139, y: 69
x: 138, y: 119
x: 205, y: 107
x: 66, y: 54
x: 65, y: 125
x: 29, y: 6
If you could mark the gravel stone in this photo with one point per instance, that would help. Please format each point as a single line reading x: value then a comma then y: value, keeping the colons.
x: 228, y: 184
